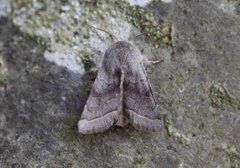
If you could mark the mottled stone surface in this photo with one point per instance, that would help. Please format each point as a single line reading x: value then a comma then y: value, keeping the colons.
x: 48, y: 61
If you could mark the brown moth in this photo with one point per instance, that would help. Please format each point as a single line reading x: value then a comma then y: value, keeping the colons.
x: 121, y: 94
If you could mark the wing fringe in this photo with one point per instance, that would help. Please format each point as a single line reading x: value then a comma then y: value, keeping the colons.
x: 97, y: 125
x: 144, y: 123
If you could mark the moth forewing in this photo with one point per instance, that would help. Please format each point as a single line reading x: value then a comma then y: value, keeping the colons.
x: 121, y: 93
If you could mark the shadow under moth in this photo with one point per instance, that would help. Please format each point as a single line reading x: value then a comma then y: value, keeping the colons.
x: 121, y: 93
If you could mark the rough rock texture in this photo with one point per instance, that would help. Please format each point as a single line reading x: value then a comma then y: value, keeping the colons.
x: 48, y: 61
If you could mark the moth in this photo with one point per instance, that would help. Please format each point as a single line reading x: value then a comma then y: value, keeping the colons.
x: 121, y: 94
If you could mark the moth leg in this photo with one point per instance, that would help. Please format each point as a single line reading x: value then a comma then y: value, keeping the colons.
x: 122, y: 120
x: 150, y: 62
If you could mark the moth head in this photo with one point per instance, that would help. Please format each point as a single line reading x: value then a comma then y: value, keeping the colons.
x: 120, y: 55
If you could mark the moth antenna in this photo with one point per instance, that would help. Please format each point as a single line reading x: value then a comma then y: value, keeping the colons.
x: 138, y: 35
x: 114, y: 37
